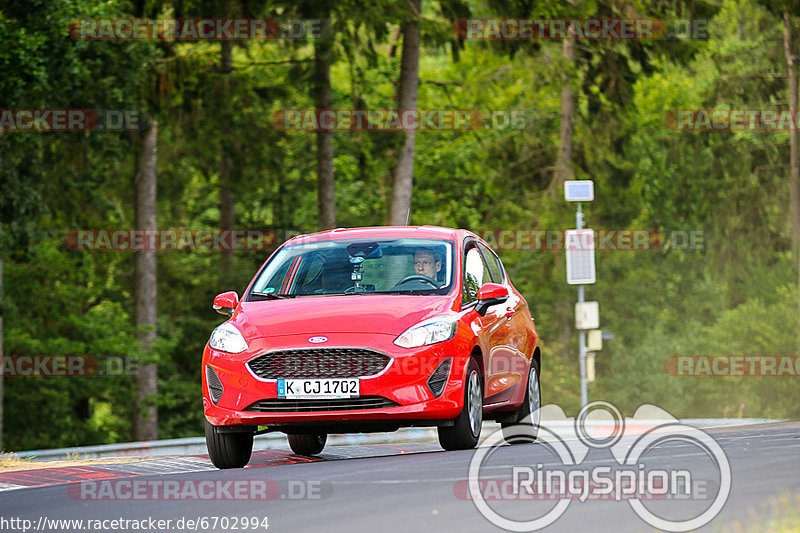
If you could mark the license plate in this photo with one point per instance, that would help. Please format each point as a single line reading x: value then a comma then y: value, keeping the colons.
x: 298, y: 389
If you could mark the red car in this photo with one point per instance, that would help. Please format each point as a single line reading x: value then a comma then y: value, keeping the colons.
x: 371, y: 329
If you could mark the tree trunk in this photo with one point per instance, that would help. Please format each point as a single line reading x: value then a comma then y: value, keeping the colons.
x: 1, y: 349
x: 227, y: 202
x: 326, y: 203
x: 794, y: 172
x: 563, y: 167
x: 146, y: 414
x: 407, y: 100
x: 794, y: 180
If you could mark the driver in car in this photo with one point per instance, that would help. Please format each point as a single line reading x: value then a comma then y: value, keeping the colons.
x: 426, y: 264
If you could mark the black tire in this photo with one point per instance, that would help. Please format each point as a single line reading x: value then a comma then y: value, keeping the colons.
x: 228, y: 450
x: 525, y: 428
x: 464, y: 433
x: 302, y: 444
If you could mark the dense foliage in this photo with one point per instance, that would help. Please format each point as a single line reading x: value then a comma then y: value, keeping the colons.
x: 737, y: 294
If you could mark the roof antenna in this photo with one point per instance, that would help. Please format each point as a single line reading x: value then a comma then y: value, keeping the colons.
x: 408, y: 215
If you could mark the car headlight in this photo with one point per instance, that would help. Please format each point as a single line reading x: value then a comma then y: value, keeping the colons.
x: 226, y: 338
x: 429, y: 331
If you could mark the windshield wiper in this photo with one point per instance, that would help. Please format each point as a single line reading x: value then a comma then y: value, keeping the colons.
x: 413, y: 292
x: 344, y: 293
x: 272, y: 295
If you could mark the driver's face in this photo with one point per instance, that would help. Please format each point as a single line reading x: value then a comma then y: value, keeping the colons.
x: 426, y: 265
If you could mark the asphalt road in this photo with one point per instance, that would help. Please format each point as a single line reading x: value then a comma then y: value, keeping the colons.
x: 418, y: 488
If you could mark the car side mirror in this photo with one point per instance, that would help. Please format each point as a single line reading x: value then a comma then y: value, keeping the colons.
x: 490, y: 294
x: 226, y: 302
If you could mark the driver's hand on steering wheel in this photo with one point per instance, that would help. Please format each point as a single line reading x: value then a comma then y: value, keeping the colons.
x: 421, y: 278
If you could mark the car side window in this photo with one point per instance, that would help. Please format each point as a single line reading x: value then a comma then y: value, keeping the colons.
x: 311, y: 279
x: 475, y: 274
x: 493, y: 262
x: 277, y: 279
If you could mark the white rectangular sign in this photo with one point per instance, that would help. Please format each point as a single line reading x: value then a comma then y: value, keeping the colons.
x: 579, y: 191
x: 579, y: 244
x: 587, y: 315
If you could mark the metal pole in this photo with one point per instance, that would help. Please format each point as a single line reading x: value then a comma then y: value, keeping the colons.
x: 582, y: 347
x: 581, y: 333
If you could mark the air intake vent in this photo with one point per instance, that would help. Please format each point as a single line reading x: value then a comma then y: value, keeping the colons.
x: 214, y: 384
x: 319, y: 363
x: 279, y: 405
x: 438, y: 379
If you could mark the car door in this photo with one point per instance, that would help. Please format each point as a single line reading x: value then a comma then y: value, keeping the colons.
x: 511, y: 338
x: 492, y: 335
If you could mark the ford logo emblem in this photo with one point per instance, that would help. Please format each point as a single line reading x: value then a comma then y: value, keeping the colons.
x: 317, y: 340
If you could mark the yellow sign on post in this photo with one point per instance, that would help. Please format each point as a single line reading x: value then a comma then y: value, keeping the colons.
x: 594, y: 340
x: 590, y: 367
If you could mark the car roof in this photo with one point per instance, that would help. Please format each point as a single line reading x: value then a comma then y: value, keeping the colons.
x: 382, y: 232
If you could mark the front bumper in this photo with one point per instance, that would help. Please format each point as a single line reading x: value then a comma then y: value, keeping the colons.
x: 404, y: 381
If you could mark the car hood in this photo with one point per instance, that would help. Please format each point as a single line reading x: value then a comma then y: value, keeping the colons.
x: 389, y: 314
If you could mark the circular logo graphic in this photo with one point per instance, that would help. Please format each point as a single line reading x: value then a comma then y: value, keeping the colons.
x: 601, y: 425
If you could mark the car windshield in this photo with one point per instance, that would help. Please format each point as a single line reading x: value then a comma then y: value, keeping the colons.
x: 391, y: 266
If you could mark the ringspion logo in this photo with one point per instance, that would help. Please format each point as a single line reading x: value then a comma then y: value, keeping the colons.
x: 571, y: 480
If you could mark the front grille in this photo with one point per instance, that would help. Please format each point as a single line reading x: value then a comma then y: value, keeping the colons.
x: 439, y: 377
x: 279, y: 405
x: 214, y: 384
x: 319, y: 363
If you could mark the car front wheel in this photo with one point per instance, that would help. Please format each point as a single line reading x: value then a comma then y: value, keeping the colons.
x: 464, y: 433
x: 228, y: 450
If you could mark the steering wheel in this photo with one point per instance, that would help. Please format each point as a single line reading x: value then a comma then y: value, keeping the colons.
x: 418, y: 277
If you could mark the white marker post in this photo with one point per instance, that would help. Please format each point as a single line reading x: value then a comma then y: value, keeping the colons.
x: 580, y: 263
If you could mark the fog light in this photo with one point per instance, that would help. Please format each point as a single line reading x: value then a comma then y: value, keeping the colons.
x: 438, y: 379
x: 214, y: 385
